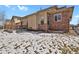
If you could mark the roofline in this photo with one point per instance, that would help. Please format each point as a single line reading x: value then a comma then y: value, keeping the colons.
x: 47, y: 9
x: 42, y: 10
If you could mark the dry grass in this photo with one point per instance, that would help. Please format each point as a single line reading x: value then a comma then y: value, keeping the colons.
x: 69, y: 49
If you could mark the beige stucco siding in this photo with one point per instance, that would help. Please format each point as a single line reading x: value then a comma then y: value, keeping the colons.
x: 24, y: 23
x: 32, y: 22
x: 42, y: 16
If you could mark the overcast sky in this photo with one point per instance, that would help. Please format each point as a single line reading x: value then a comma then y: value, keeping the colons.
x: 22, y: 10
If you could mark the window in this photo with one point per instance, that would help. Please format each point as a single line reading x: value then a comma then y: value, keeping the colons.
x: 42, y: 22
x: 57, y: 17
x: 48, y: 22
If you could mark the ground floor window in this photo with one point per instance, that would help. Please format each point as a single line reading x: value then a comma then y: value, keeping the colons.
x: 42, y: 22
x: 48, y: 22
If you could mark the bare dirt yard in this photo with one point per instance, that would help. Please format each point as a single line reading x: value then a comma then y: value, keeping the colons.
x: 38, y: 43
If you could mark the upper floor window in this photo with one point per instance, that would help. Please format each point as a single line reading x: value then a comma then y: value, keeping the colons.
x: 57, y: 17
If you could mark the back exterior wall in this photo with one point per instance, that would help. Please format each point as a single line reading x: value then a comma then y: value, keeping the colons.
x: 42, y: 16
x: 32, y: 22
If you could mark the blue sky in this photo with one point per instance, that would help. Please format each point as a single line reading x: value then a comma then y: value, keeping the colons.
x: 22, y: 10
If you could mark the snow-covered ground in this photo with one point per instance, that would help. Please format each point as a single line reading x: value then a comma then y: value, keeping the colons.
x: 38, y: 43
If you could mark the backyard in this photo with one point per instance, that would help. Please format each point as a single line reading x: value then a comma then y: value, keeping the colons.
x: 30, y: 42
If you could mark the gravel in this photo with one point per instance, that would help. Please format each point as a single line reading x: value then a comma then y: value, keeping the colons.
x: 41, y: 43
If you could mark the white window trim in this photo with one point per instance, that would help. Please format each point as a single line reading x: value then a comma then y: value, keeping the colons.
x: 57, y: 17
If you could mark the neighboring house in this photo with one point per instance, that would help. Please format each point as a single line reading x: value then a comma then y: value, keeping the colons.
x: 1, y: 21
x: 1, y: 24
x: 8, y: 25
x: 16, y: 22
x: 50, y: 19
